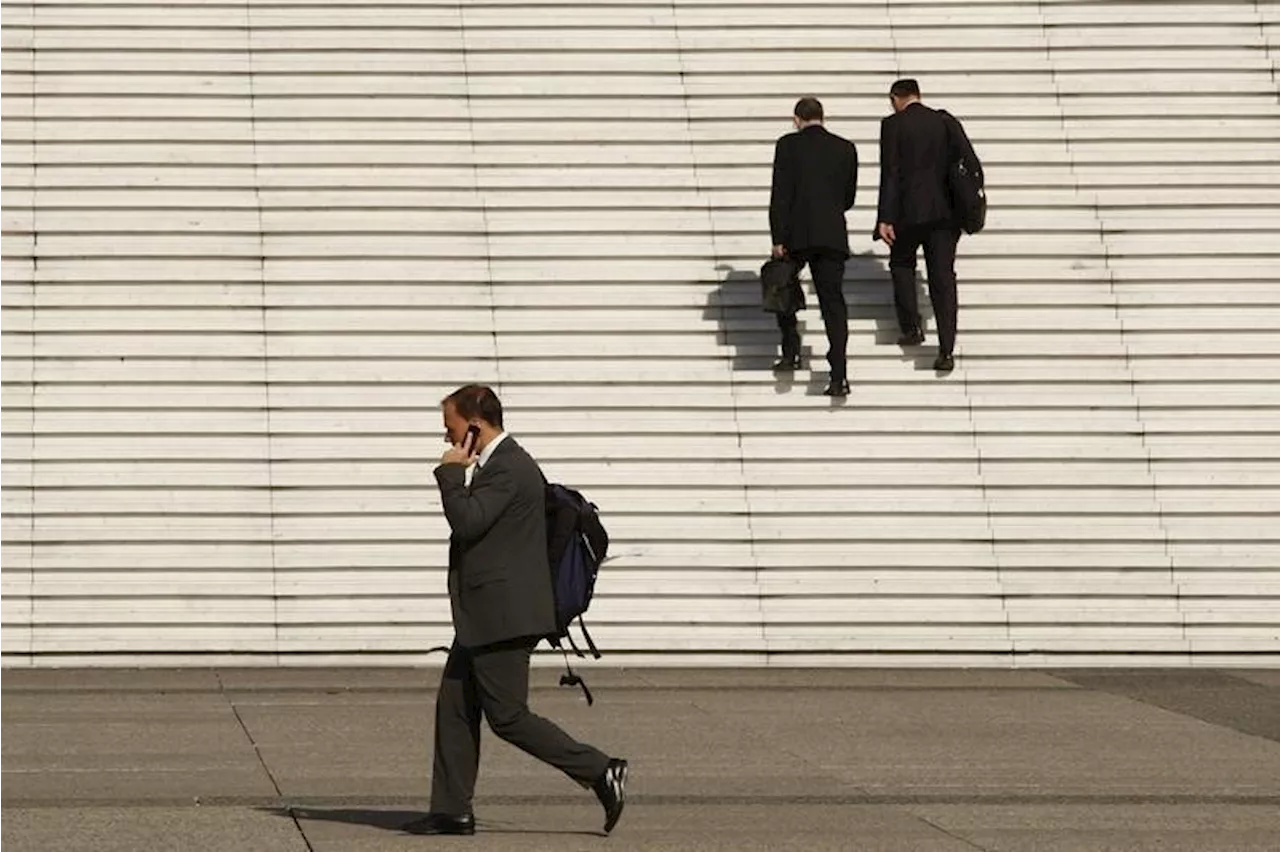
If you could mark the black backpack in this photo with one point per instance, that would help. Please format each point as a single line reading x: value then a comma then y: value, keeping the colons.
x: 965, y: 179
x: 577, y: 544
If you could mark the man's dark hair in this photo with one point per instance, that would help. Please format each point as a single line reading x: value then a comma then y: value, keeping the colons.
x: 474, y: 402
x: 905, y: 88
x: 809, y: 109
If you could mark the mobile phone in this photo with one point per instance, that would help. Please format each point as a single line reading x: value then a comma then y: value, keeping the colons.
x: 470, y: 440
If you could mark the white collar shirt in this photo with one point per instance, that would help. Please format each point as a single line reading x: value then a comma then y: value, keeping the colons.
x: 485, y: 455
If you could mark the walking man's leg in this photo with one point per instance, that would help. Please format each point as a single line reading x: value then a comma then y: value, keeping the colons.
x: 828, y: 280
x: 457, y: 739
x: 902, y: 269
x: 502, y: 683
x: 502, y: 677
x: 789, y: 326
x: 457, y: 750
x: 940, y: 261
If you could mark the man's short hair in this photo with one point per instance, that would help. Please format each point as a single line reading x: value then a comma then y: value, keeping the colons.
x: 474, y: 402
x: 809, y: 109
x: 905, y: 88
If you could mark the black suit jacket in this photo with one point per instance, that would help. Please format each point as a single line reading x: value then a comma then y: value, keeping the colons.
x: 914, y: 156
x: 499, y: 579
x: 815, y: 178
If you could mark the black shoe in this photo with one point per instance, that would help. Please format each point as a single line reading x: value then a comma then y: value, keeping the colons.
x: 914, y: 337
x: 787, y: 364
x: 442, y: 824
x: 837, y: 388
x: 944, y: 364
x: 611, y: 789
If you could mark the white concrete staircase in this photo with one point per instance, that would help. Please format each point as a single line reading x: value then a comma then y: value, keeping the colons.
x: 248, y: 246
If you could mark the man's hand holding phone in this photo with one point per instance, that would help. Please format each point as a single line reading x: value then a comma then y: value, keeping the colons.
x: 465, y: 453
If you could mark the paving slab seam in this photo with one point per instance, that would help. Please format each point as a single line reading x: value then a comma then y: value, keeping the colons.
x: 258, y: 752
x: 966, y: 841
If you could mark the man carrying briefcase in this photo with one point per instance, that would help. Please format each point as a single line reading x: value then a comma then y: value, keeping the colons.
x: 815, y: 177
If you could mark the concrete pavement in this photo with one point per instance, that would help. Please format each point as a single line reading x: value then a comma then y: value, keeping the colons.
x: 337, y: 759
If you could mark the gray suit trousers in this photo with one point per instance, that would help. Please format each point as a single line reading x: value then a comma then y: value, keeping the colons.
x: 494, y: 680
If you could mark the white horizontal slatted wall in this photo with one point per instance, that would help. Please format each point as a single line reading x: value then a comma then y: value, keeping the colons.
x: 249, y: 246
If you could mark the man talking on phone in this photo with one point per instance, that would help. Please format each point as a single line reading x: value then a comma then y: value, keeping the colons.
x: 502, y: 601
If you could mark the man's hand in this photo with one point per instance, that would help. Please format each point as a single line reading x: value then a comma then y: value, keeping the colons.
x: 887, y: 234
x: 463, y: 454
x: 779, y: 251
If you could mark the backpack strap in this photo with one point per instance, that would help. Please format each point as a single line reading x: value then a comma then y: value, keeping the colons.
x: 585, y: 635
x: 960, y: 148
x: 573, y: 644
x: 570, y: 678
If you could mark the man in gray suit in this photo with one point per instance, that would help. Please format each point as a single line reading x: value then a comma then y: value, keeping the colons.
x: 501, y: 595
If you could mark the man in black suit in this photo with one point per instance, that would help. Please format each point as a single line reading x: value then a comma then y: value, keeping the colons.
x: 815, y: 177
x: 502, y: 600
x: 915, y: 210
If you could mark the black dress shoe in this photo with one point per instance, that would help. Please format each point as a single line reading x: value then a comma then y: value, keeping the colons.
x: 944, y: 364
x: 787, y: 364
x: 914, y: 337
x: 463, y: 824
x: 611, y: 789
x: 837, y: 388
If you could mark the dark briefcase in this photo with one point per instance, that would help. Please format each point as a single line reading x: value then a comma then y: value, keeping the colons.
x: 781, y: 292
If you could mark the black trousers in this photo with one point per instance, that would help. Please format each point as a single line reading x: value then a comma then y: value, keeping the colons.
x: 494, y: 680
x: 827, y: 268
x: 939, y: 240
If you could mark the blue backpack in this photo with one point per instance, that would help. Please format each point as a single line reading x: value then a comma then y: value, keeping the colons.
x: 577, y: 544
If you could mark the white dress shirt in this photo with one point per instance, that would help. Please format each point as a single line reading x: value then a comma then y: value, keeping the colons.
x: 484, y: 457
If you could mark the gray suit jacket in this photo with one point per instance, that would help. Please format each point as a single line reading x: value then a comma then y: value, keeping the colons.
x: 499, y: 580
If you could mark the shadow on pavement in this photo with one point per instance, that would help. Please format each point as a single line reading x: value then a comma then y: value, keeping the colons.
x: 393, y: 820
